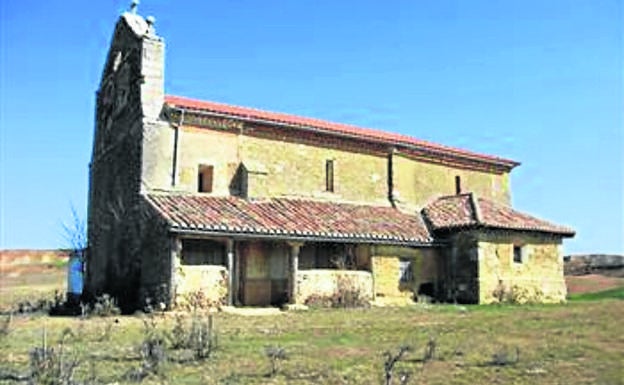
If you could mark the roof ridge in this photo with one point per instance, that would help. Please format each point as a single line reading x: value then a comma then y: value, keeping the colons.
x: 527, y: 214
x: 318, y: 120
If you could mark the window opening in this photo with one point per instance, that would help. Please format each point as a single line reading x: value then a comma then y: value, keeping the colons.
x: 203, y: 252
x: 329, y: 175
x: 517, y: 254
x: 204, y: 178
x: 405, y: 270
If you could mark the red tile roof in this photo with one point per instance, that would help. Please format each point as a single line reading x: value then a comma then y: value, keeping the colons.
x: 330, y: 127
x: 289, y: 218
x: 467, y: 210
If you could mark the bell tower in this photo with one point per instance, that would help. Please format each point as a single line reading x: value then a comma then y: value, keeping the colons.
x: 129, y: 101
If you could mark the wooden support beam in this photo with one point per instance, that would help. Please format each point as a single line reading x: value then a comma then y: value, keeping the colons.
x: 395, y: 251
x: 175, y: 257
x: 295, y: 248
x: 230, y: 263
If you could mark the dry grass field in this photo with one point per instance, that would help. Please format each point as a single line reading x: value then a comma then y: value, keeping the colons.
x: 575, y: 343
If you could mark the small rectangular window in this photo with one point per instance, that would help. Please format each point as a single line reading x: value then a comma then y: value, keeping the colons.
x: 517, y: 254
x: 204, y: 178
x: 405, y: 270
x: 458, y: 189
x: 329, y: 175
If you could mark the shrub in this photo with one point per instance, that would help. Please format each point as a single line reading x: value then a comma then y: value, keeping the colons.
x: 391, y: 361
x: 319, y: 301
x: 348, y: 295
x: 153, y: 353
x: 50, y: 366
x: 105, y: 306
x: 275, y: 354
x: 44, y: 304
x: 430, y: 349
x: 504, y: 357
x: 199, y: 337
x: 5, y: 327
x: 197, y: 300
x: 517, y: 294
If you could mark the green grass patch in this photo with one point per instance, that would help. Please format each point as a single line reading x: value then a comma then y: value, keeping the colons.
x: 574, y: 343
x: 60, y: 263
x: 617, y: 293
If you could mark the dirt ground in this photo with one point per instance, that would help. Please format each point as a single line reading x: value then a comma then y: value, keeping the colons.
x: 28, y: 274
x: 590, y: 283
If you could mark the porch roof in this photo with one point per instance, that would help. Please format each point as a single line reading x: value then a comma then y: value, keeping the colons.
x: 468, y: 210
x: 289, y: 219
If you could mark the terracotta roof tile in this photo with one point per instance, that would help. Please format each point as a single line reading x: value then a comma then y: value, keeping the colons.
x: 331, y: 127
x: 466, y: 210
x: 290, y: 218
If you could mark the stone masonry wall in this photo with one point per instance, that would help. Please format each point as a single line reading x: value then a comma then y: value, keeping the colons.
x: 418, y: 183
x: 299, y: 170
x: 278, y: 168
x: 113, y: 237
x: 386, y: 275
x: 461, y: 281
x: 200, y: 146
x: 154, y: 251
x: 327, y: 282
x: 538, y: 278
x: 127, y: 246
x: 426, y: 268
x: 284, y: 168
x: 210, y: 281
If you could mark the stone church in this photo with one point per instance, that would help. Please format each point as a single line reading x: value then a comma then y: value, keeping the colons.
x: 245, y: 207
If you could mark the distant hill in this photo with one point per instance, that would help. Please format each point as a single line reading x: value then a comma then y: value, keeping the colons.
x: 581, y: 264
x: 13, y: 258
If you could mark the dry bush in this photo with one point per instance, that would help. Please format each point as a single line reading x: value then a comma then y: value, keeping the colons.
x: 348, y: 295
x: 276, y: 355
x: 503, y: 356
x: 51, y: 366
x: 197, y: 335
x: 517, y: 294
x: 198, y: 300
x: 153, y: 353
x: 103, y: 306
x: 5, y: 327
x: 390, y: 363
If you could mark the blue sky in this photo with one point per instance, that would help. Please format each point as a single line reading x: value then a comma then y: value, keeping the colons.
x: 535, y: 81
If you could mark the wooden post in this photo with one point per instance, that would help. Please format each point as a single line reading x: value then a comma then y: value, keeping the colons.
x: 294, y: 264
x: 176, y: 256
x: 236, y: 279
x: 230, y: 262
